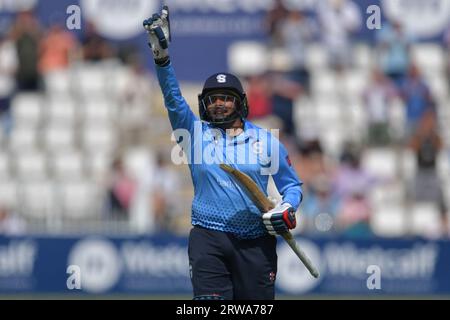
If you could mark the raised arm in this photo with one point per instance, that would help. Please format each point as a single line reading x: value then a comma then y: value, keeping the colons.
x: 158, y: 30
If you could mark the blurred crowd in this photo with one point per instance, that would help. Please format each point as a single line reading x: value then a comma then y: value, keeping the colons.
x: 335, y: 124
x: 399, y: 116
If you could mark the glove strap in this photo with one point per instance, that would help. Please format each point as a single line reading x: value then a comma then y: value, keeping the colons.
x: 163, y: 62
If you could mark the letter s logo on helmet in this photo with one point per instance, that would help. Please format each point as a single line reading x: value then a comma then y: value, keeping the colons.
x: 221, y: 78
x: 223, y: 82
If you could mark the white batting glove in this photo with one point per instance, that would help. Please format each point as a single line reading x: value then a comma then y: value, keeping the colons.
x: 280, y: 219
x: 158, y: 30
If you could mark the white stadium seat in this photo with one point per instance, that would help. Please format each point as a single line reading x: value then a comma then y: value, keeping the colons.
x: 59, y: 138
x: 99, y: 138
x: 98, y: 164
x: 67, y: 166
x: 324, y: 83
x: 429, y: 57
x: 31, y: 165
x: 316, y: 56
x: 4, y: 166
x: 381, y: 162
x: 99, y: 111
x: 425, y: 220
x: 79, y: 199
x: 58, y: 82
x: 248, y: 57
x: 61, y: 110
x: 38, y: 199
x: 27, y: 109
x: 23, y: 138
x: 8, y: 193
x: 91, y: 79
x: 389, y: 221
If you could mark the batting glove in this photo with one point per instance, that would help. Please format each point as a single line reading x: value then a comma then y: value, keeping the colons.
x: 280, y: 219
x: 158, y: 30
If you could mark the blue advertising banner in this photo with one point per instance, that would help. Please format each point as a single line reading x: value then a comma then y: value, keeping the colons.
x: 203, y: 30
x: 159, y: 265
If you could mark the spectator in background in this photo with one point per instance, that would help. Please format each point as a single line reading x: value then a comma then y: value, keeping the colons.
x: 27, y: 35
x: 447, y: 47
x: 8, y: 67
x: 95, y: 48
x: 134, y: 98
x: 426, y: 143
x: 259, y: 96
x: 377, y: 97
x: 285, y: 91
x: 320, y: 208
x: 416, y: 94
x: 339, y: 19
x: 353, y: 185
x: 57, y: 49
x: 297, y: 31
x: 393, y: 47
x: 311, y: 162
x: 10, y: 223
x: 121, y: 191
x: 166, y: 183
x: 273, y: 20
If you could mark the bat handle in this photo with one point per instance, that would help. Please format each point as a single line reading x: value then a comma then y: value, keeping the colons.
x: 299, y: 252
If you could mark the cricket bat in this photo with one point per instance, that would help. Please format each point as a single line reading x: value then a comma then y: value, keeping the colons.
x: 264, y: 205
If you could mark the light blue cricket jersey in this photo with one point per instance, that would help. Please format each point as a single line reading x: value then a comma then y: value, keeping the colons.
x: 219, y: 202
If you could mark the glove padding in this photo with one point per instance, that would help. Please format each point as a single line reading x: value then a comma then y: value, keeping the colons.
x: 280, y: 219
x: 158, y: 30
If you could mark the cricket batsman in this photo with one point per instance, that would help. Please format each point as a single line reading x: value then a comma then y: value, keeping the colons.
x: 232, y: 247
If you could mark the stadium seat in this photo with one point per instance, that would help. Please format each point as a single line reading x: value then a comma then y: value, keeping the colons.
x: 8, y: 193
x: 27, y: 109
x: 316, y: 57
x: 38, y: 199
x: 429, y: 57
x: 97, y: 164
x: 98, y: 111
x: 355, y: 82
x: 443, y: 164
x: 80, y: 199
x: 363, y: 57
x: 381, y: 162
x: 324, y: 83
x: 58, y: 138
x: 31, y: 165
x: 248, y: 58
x: 332, y: 140
x: 425, y: 220
x: 67, y: 166
x: 392, y: 193
x: 61, y: 110
x: 408, y: 164
x: 397, y: 118
x: 91, y: 79
x: 23, y: 138
x: 328, y: 111
x: 389, y: 221
x: 4, y: 166
x: 98, y: 138
x: 58, y: 82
